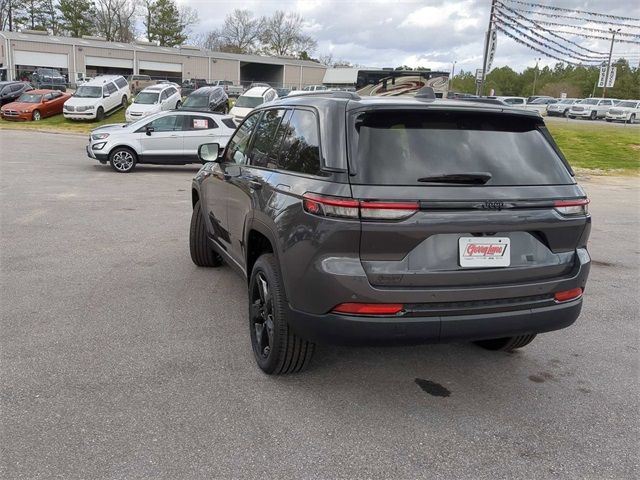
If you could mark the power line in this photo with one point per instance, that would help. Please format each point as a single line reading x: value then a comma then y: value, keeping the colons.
x: 571, y: 10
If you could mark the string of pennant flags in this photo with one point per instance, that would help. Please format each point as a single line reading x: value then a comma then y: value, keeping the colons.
x: 581, y: 27
x: 590, y: 20
x: 571, y: 10
x: 586, y: 57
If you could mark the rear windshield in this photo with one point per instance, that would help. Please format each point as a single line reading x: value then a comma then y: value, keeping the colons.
x: 401, y: 147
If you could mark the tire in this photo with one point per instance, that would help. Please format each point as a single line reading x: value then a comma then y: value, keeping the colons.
x: 100, y: 114
x: 124, y: 102
x: 506, y: 344
x: 122, y: 159
x: 607, y: 119
x: 276, y: 348
x: 571, y: 117
x: 36, y: 116
x: 178, y: 104
x: 593, y: 115
x: 201, y: 253
x: 565, y: 113
x: 632, y: 118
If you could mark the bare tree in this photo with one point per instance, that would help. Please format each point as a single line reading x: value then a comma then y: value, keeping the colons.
x: 282, y: 35
x: 326, y: 59
x: 240, y: 32
x: 115, y: 19
x: 5, y: 5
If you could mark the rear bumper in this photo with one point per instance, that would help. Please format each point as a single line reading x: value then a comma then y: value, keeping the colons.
x: 445, y: 313
x: 356, y: 330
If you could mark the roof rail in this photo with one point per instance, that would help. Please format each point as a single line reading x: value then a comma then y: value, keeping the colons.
x: 325, y: 93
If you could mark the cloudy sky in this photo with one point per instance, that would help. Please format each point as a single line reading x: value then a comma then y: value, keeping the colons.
x: 430, y: 33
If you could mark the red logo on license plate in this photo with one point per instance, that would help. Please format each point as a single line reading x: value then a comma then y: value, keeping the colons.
x: 485, y: 250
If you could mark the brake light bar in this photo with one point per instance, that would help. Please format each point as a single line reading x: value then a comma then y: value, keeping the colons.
x: 578, y: 206
x: 350, y: 208
x: 369, y: 308
x: 567, y: 295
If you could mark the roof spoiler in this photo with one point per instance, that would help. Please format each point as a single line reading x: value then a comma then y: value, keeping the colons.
x: 426, y: 93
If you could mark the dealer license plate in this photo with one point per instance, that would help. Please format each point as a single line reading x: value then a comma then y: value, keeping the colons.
x: 484, y: 252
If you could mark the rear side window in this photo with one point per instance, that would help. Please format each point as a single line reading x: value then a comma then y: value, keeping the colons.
x: 111, y: 88
x: 121, y: 82
x: 300, y: 150
x: 267, y: 139
x: 201, y: 123
x: 401, y: 147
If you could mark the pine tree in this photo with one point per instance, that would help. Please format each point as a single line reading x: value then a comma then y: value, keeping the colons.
x: 165, y: 23
x: 77, y: 17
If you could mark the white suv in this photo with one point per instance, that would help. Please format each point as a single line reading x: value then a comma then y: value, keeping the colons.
x: 169, y: 138
x: 591, y: 108
x: 153, y: 99
x: 97, y: 98
x: 624, y: 111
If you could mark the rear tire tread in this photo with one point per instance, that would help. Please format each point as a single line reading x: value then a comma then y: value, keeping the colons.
x: 295, y: 353
x: 201, y: 254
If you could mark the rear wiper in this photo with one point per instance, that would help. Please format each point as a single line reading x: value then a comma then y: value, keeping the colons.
x: 476, y: 178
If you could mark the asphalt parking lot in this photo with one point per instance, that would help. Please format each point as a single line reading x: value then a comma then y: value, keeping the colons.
x: 120, y: 359
x: 591, y: 122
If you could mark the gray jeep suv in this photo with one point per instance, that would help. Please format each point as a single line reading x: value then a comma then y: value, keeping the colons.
x: 392, y: 220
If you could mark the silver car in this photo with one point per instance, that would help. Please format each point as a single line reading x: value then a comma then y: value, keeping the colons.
x: 166, y: 138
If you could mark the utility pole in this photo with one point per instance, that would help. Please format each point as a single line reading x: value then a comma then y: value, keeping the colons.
x: 535, y: 77
x: 487, y: 41
x: 10, y: 17
x: 453, y: 71
x: 606, y: 77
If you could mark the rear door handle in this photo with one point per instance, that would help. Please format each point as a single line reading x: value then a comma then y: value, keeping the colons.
x: 255, y: 185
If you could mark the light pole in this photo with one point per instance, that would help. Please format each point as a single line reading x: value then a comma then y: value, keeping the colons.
x: 606, y: 77
x: 453, y: 71
x: 535, y: 77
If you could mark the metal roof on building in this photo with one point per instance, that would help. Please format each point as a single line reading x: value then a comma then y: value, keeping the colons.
x: 187, y: 51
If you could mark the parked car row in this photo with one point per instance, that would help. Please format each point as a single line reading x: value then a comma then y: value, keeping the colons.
x: 609, y: 109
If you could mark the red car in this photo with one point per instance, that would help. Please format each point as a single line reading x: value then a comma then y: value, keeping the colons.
x: 34, y: 105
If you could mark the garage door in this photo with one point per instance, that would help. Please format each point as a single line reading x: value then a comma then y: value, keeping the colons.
x: 160, y: 66
x: 108, y: 62
x: 39, y: 59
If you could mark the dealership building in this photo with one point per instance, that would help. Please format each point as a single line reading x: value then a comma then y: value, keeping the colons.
x: 22, y: 52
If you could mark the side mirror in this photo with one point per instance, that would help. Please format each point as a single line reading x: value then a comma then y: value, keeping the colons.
x: 106, y: 95
x: 149, y: 129
x: 209, y: 152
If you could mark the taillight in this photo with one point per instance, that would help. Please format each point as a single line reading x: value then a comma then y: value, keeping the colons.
x: 330, y: 206
x: 369, y: 308
x: 572, y: 207
x: 351, y: 208
x: 567, y: 295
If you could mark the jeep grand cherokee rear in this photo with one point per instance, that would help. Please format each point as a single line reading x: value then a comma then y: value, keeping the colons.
x: 450, y: 222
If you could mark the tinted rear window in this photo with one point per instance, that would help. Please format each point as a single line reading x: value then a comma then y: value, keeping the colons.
x: 399, y: 147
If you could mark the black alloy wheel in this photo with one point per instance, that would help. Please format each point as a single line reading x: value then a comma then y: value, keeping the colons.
x: 262, y: 316
x: 276, y: 348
